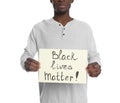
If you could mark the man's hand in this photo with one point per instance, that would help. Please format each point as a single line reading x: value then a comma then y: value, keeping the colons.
x: 31, y: 65
x: 94, y: 69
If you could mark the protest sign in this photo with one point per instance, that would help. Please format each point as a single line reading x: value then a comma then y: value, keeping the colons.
x: 62, y: 65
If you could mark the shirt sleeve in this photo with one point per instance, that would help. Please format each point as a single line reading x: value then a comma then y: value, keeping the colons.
x: 30, y: 49
x: 93, y: 55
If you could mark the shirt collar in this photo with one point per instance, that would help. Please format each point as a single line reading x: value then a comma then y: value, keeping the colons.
x: 56, y: 23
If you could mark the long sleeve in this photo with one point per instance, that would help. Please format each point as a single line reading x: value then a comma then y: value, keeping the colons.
x: 93, y: 55
x: 30, y: 49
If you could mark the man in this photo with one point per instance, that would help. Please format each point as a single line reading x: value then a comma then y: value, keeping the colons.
x: 62, y: 31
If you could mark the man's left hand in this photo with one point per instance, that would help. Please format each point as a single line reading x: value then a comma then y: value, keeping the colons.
x: 94, y: 69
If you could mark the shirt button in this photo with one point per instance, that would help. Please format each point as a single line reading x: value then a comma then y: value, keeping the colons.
x: 63, y: 34
x: 59, y: 24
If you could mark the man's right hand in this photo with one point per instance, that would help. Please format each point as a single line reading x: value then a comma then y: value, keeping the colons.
x: 32, y: 65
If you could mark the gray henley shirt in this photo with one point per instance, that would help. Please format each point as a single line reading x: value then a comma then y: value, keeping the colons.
x: 51, y: 34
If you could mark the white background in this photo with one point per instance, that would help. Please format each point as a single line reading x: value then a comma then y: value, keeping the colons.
x: 17, y: 17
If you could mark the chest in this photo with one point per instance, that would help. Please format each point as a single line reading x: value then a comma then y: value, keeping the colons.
x: 66, y: 38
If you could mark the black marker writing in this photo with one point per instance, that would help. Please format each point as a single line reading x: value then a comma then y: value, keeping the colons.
x: 77, y: 73
x: 57, y: 77
x: 62, y: 66
x: 62, y: 56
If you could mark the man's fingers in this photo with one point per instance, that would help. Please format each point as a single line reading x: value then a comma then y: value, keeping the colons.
x: 94, y: 69
x: 32, y: 60
x: 35, y: 65
x: 32, y: 68
x: 32, y: 65
x: 94, y: 73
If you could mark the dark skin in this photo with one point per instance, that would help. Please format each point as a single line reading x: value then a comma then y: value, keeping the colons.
x: 61, y: 14
x: 61, y: 11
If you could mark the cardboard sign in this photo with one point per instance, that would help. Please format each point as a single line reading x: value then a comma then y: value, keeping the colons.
x: 62, y: 65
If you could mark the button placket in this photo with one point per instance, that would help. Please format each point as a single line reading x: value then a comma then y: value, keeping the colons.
x: 63, y: 31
